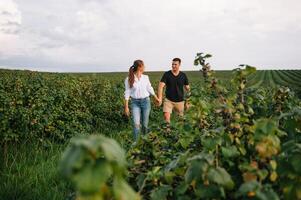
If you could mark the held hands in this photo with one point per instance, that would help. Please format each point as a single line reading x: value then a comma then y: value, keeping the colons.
x: 158, y: 101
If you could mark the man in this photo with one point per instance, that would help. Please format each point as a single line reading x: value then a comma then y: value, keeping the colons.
x: 175, y: 82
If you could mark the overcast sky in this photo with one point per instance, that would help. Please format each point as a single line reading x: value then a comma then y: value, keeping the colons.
x: 108, y: 35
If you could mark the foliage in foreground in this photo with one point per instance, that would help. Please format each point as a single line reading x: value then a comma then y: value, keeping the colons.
x: 97, y: 167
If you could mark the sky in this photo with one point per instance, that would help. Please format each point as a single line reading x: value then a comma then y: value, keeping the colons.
x: 108, y: 35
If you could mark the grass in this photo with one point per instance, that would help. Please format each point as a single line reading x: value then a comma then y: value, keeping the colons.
x: 30, y: 172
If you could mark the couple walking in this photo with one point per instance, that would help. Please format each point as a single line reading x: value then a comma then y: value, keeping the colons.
x: 138, y: 88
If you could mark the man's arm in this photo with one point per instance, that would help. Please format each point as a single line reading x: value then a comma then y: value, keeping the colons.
x: 160, y: 92
x: 187, y: 88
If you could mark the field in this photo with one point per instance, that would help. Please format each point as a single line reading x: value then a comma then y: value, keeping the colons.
x: 241, y: 138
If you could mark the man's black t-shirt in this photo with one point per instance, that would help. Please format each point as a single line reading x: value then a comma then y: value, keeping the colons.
x: 174, y: 85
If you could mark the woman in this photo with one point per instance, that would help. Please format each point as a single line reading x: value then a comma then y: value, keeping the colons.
x: 138, y: 88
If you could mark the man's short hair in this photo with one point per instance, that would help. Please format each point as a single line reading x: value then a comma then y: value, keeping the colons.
x: 177, y: 59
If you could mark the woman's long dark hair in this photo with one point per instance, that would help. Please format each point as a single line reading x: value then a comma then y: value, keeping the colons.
x: 137, y: 64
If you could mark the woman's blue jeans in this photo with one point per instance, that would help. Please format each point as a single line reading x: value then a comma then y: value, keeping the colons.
x: 140, y: 114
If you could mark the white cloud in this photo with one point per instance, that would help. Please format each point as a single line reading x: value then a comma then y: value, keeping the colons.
x: 107, y: 35
x: 10, y: 22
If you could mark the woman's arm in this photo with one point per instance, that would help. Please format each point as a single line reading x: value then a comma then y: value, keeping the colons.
x: 150, y: 89
x: 126, y: 107
x: 126, y: 97
x: 156, y: 98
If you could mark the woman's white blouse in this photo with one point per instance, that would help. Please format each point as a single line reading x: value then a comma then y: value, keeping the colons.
x: 142, y: 88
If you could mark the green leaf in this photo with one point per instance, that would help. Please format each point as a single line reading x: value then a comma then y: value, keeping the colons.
x: 210, y: 143
x: 181, y: 188
x: 265, y: 127
x: 186, y: 140
x: 72, y: 159
x: 251, y: 186
x: 123, y: 191
x: 140, y: 179
x: 281, y: 133
x: 207, y: 56
x: 250, y: 70
x: 221, y: 177
x: 173, y: 164
x: 209, y: 158
x: 230, y: 152
x: 296, y: 163
x: 242, y: 149
x: 92, y: 176
x: 183, y: 197
x: 112, y: 151
x: 161, y: 192
x: 195, y: 170
x: 267, y: 193
x: 169, y: 177
x: 209, y: 191
x: 259, y: 192
x: 263, y: 173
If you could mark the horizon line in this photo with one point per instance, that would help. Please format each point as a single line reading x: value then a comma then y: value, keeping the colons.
x: 116, y: 71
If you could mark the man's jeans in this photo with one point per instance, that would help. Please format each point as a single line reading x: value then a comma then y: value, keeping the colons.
x: 140, y: 113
